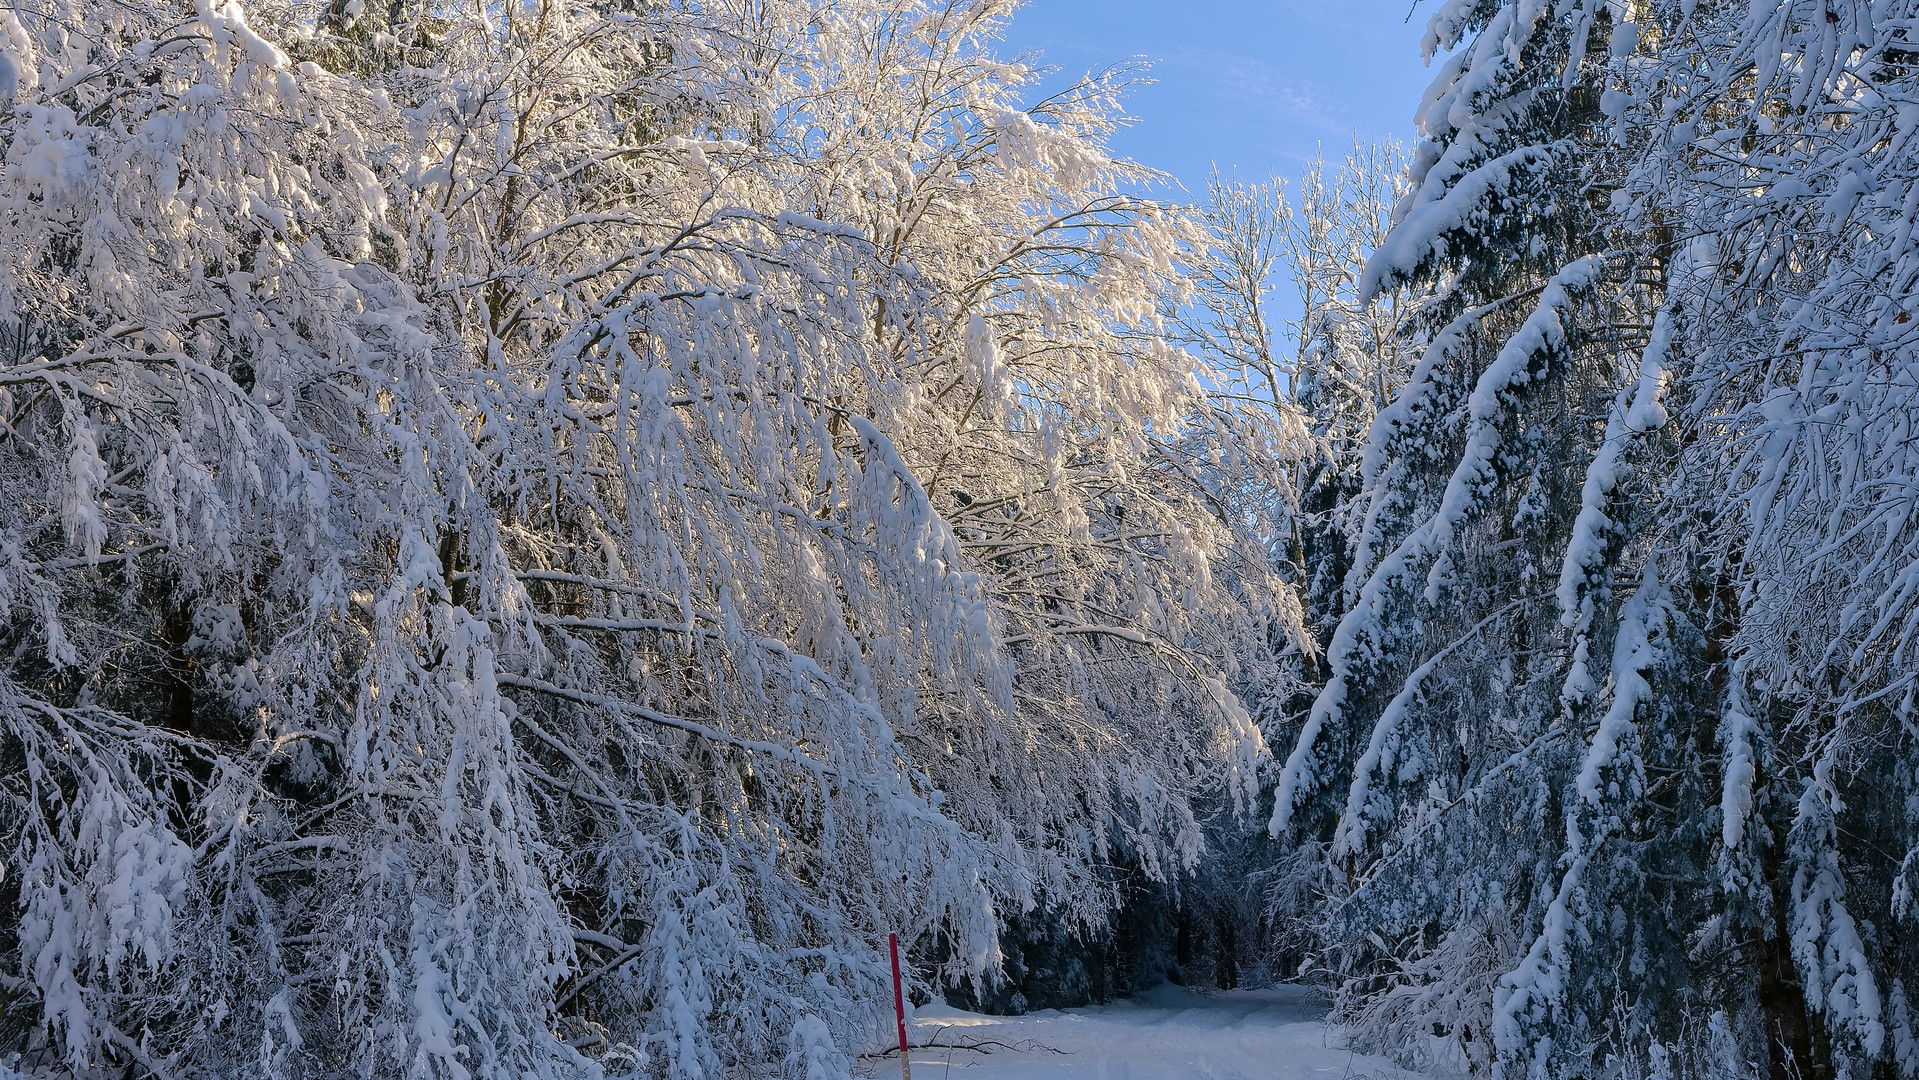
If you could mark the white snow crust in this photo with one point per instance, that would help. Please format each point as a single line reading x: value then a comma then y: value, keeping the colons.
x: 1167, y: 1033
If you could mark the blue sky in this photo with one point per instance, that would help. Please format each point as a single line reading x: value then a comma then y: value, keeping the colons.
x: 1257, y: 85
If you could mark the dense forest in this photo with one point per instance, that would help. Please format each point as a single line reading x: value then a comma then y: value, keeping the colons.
x: 535, y: 534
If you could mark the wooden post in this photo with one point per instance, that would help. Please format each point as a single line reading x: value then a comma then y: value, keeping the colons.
x: 899, y: 1005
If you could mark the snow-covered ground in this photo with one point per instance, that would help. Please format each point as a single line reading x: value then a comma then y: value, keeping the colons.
x: 1168, y: 1033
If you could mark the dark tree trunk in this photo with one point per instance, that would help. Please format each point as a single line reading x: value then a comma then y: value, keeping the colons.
x: 1795, y: 1044
x: 1225, y: 953
x: 178, y: 668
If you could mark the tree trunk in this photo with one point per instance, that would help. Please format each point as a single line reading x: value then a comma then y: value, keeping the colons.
x: 1795, y: 1044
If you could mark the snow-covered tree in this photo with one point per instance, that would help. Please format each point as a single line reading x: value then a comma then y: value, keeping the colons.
x: 1303, y: 366
x: 1612, y: 757
x: 1347, y: 352
x: 537, y: 533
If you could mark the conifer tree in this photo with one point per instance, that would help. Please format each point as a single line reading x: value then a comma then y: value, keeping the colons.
x: 1611, y: 763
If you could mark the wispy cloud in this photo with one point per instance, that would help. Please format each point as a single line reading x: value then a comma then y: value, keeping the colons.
x: 1250, y: 86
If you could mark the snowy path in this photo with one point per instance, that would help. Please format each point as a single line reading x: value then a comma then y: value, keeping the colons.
x: 1166, y: 1034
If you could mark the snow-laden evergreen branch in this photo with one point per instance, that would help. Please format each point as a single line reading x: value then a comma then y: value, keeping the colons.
x: 1541, y: 332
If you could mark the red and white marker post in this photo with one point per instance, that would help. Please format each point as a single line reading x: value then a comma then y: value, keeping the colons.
x: 899, y: 1005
